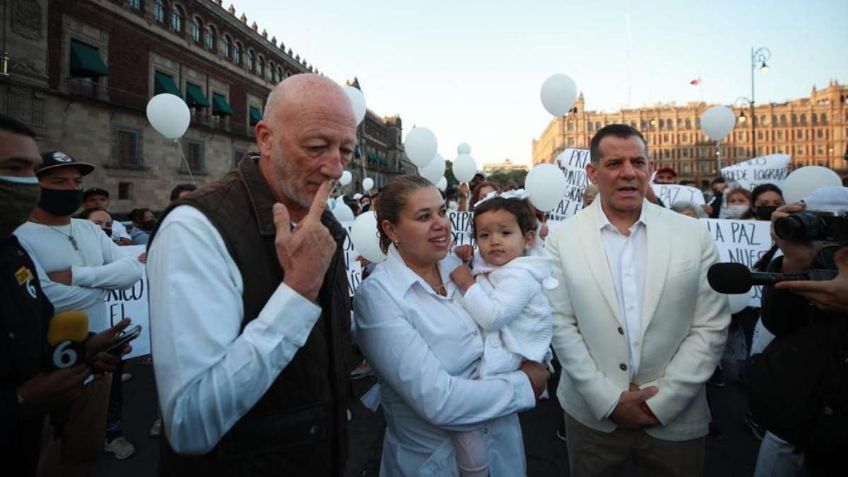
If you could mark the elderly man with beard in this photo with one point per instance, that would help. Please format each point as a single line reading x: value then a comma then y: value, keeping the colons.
x: 250, y: 313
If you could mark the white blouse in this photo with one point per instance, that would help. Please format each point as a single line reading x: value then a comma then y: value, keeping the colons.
x: 424, y: 349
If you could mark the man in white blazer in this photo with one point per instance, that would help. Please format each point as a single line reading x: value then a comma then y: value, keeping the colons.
x: 637, y: 329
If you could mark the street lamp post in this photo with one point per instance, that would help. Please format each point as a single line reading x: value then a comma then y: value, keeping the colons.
x: 758, y: 56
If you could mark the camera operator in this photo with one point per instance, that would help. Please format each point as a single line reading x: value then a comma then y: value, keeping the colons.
x: 799, y: 384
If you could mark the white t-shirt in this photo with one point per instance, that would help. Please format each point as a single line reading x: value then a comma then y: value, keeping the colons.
x: 97, y: 266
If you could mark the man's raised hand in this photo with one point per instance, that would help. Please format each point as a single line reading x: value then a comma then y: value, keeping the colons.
x: 305, y: 252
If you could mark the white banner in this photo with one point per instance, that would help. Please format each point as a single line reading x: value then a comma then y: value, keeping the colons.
x: 573, y: 164
x: 741, y: 241
x: 132, y: 303
x: 671, y: 193
x: 461, y: 227
x: 772, y: 169
x: 353, y: 265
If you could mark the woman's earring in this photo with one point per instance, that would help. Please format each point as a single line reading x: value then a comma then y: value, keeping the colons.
x: 396, y: 242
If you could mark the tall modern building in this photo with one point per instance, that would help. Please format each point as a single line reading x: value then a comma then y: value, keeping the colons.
x: 813, y: 130
x: 80, y: 73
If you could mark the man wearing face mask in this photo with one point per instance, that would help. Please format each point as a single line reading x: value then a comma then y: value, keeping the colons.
x: 143, y: 223
x: 77, y: 264
x: 97, y: 198
x: 28, y: 390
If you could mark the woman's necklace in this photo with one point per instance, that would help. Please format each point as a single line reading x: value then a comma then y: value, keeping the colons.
x: 70, y: 235
x: 439, y: 289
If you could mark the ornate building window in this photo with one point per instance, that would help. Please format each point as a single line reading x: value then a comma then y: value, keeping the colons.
x: 227, y: 46
x: 210, y: 38
x: 196, y: 30
x: 159, y: 11
x: 177, y: 19
x: 251, y: 61
x: 803, y: 119
x: 261, y: 70
x: 280, y: 76
x: 126, y: 147
x: 134, y: 4
x: 238, y: 53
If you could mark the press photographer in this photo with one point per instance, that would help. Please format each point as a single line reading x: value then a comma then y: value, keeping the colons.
x: 799, y: 384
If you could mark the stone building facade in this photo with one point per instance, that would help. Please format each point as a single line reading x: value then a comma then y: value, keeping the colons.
x: 813, y: 130
x: 80, y: 73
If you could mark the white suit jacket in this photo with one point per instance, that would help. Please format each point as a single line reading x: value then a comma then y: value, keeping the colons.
x: 684, y: 323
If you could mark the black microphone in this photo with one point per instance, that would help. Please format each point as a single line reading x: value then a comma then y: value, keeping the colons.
x: 735, y: 278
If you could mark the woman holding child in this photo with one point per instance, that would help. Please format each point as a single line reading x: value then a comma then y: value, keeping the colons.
x: 426, y: 349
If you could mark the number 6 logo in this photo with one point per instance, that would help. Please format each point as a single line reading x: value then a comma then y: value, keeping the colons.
x: 64, y: 356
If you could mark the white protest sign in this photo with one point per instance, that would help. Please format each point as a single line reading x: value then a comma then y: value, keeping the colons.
x: 353, y: 266
x: 772, y: 169
x: 573, y: 164
x: 741, y: 241
x: 132, y: 303
x: 671, y: 193
x: 461, y: 227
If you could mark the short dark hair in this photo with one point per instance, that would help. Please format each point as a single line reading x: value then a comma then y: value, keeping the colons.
x: 175, y: 192
x: 7, y: 123
x: 623, y: 131
x: 520, y: 208
x: 137, y: 215
x: 718, y: 180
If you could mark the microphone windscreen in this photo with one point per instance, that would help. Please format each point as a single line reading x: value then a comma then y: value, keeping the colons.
x: 729, y: 278
x: 67, y: 326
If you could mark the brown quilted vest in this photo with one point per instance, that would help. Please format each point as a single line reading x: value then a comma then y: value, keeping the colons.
x: 299, y: 426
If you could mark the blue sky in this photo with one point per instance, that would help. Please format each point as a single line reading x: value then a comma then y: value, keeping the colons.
x: 471, y: 70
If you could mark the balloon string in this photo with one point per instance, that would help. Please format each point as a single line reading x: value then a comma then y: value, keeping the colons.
x: 182, y: 154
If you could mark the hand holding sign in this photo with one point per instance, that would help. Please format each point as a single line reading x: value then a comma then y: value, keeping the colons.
x: 305, y: 252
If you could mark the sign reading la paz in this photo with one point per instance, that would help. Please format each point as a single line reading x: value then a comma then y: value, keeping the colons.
x: 772, y: 169
x: 741, y: 241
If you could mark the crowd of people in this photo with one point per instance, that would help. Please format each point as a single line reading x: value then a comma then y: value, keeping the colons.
x: 253, y: 340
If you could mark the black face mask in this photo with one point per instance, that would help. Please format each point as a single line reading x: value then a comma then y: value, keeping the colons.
x: 148, y: 225
x: 60, y: 202
x: 764, y: 212
x: 108, y: 232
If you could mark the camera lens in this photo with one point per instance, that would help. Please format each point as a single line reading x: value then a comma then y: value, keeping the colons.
x: 790, y: 228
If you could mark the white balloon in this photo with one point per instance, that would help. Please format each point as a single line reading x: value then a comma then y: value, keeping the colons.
x: 420, y: 146
x: 442, y: 184
x: 367, y: 184
x: 357, y: 196
x: 717, y: 122
x: 345, y: 178
x: 558, y: 94
x: 463, y: 148
x: 738, y: 302
x: 169, y: 115
x: 546, y: 185
x: 357, y: 99
x: 342, y: 212
x: 366, y: 238
x: 464, y: 168
x: 804, y: 180
x: 434, y: 170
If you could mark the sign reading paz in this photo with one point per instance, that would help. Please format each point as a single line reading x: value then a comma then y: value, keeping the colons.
x: 741, y: 241
x: 132, y: 303
x: 671, y: 193
x: 772, y: 168
x: 573, y: 164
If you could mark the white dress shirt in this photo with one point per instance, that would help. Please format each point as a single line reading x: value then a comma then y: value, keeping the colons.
x: 210, y: 372
x: 626, y: 260
x: 424, y: 349
x: 97, y: 265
